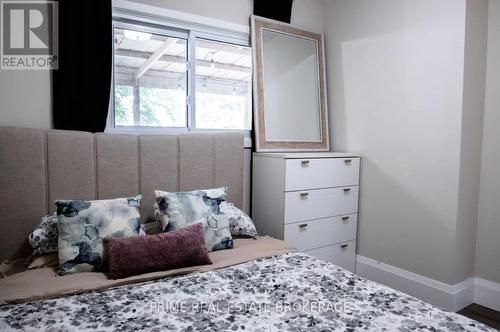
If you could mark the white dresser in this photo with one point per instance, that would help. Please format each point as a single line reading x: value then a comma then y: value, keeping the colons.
x: 309, y: 200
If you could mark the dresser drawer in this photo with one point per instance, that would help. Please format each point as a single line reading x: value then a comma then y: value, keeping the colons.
x: 321, y: 173
x: 320, y: 203
x: 321, y: 232
x: 343, y: 254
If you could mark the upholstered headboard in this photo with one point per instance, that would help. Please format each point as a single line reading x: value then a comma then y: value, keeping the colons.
x: 38, y: 167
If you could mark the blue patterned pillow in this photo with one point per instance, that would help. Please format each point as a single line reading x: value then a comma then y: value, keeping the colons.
x: 181, y: 209
x: 83, y: 225
x: 44, y: 237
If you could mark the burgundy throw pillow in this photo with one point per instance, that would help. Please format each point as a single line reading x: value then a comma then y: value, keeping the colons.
x: 170, y: 250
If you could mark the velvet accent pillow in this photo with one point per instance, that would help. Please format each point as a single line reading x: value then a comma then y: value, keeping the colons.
x: 159, y: 252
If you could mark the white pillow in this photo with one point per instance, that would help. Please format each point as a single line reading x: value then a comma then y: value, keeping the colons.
x: 240, y: 224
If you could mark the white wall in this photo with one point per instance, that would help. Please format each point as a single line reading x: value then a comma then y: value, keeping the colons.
x: 488, y: 233
x: 307, y: 14
x: 476, y: 35
x: 25, y: 98
x: 395, y: 76
x: 235, y: 11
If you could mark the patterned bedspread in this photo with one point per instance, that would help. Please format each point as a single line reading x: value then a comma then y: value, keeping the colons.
x: 293, y: 292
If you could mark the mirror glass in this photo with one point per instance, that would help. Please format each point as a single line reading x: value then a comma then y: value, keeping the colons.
x: 291, y: 87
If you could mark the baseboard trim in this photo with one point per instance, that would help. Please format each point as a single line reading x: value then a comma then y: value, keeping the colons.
x: 487, y: 293
x: 448, y: 297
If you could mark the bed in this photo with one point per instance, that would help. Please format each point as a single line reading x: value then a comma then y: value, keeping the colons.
x: 260, y: 285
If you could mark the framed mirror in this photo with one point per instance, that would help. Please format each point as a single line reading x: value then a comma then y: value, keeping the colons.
x: 290, y: 110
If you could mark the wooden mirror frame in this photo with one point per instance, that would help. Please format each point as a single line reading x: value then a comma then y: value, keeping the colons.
x: 261, y: 143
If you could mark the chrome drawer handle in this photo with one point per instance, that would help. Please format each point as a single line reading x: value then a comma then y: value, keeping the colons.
x: 303, y: 226
x: 348, y: 161
x: 304, y: 194
x: 343, y: 246
x: 305, y: 163
x: 346, y: 190
x: 345, y: 218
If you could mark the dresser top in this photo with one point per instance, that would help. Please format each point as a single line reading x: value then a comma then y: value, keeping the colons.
x: 306, y: 155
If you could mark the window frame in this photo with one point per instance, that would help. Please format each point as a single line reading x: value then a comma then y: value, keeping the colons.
x: 189, y: 31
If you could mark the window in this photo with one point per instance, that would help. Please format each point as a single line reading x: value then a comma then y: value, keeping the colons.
x: 150, y: 84
x: 223, y: 86
x: 155, y: 85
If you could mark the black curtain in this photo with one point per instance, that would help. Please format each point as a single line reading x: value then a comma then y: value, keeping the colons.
x: 280, y: 10
x: 81, y: 85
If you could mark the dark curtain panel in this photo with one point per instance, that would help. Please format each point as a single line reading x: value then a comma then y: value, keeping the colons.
x: 280, y: 10
x: 81, y: 85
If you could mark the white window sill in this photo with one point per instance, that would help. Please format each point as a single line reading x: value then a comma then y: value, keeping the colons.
x: 247, y: 144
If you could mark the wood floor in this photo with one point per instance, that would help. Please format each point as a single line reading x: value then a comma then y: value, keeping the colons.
x: 482, y: 314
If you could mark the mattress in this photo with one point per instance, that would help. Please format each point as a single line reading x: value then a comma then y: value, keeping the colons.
x: 285, y: 292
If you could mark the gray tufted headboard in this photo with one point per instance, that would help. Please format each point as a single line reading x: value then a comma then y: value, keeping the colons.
x: 38, y: 167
